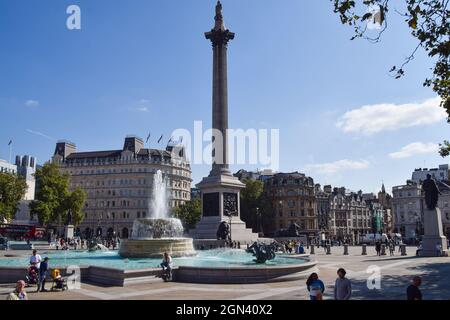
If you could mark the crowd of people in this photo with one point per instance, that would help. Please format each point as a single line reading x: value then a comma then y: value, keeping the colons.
x: 77, y: 243
x: 39, y: 269
x: 343, y: 287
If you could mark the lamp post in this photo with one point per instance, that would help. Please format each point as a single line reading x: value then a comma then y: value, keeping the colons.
x: 230, y: 214
x: 259, y: 222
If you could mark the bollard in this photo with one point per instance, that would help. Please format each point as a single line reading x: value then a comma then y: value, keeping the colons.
x: 312, y: 250
x: 345, y: 249
x: 364, y: 250
x: 403, y: 249
x: 383, y: 249
x: 328, y: 249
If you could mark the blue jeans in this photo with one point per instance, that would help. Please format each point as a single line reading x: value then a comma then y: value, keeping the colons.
x: 166, y: 265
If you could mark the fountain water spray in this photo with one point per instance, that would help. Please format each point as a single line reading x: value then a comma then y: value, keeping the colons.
x: 153, y: 236
x: 158, y: 204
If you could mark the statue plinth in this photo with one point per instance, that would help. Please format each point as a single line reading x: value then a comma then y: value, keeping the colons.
x: 221, y: 202
x: 68, y: 231
x: 433, y: 233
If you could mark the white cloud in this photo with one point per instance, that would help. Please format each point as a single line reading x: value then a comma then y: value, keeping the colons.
x: 142, y: 105
x: 37, y: 133
x: 142, y: 109
x: 415, y: 148
x: 370, y: 119
x: 337, y: 166
x: 32, y: 103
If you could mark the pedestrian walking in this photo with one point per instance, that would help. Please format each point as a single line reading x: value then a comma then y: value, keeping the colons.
x: 378, y: 248
x: 413, y: 292
x: 342, y: 287
x: 315, y: 287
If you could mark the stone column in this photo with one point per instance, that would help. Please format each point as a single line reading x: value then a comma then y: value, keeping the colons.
x: 220, y: 190
x: 219, y: 37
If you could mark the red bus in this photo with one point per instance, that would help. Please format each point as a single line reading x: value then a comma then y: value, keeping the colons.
x: 16, y: 231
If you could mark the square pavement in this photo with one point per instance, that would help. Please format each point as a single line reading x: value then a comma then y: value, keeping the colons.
x: 396, y: 273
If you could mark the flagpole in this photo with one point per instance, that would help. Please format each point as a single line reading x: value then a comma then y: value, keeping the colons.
x: 10, y: 152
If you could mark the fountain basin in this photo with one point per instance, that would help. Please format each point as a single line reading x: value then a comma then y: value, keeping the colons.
x: 155, y: 248
x: 151, y: 237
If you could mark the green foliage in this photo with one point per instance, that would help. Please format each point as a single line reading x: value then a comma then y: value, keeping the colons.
x: 54, y: 200
x: 12, y: 190
x: 189, y: 213
x: 429, y: 22
x: 253, y: 197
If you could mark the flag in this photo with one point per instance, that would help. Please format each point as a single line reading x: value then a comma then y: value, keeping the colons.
x: 148, y: 137
x: 159, y: 141
x: 10, y: 142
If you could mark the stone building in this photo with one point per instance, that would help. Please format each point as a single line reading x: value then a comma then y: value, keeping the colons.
x: 323, y: 197
x: 261, y: 175
x: 381, y: 211
x: 408, y: 208
x: 119, y: 183
x: 24, y: 166
x: 407, y: 204
x: 444, y: 205
x: 439, y: 174
x: 292, y: 196
x: 350, y: 216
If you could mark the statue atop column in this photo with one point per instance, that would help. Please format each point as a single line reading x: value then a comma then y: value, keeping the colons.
x: 219, y: 18
x: 432, y: 192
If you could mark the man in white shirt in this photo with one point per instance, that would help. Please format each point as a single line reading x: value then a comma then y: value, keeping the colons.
x: 35, y: 259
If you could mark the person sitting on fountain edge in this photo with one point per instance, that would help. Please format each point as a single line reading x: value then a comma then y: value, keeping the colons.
x: 167, y: 264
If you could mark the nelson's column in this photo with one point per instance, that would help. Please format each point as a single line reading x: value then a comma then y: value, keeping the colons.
x: 220, y: 190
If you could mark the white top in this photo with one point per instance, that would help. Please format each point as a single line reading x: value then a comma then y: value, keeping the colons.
x: 169, y: 261
x: 36, y: 260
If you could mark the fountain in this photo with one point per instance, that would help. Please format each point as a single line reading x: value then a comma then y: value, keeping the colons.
x: 153, y: 236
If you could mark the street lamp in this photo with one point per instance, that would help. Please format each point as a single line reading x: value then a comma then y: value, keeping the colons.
x: 259, y: 220
x: 230, y: 214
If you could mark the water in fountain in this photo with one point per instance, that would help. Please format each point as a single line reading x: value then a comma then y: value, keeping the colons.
x: 159, y: 225
x: 158, y: 204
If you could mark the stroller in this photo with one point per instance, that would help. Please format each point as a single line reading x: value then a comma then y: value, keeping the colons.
x: 32, y: 277
x: 58, y: 281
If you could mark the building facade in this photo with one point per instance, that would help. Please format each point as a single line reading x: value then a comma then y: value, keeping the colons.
x: 119, y: 183
x: 438, y: 174
x: 407, y: 204
x: 293, y: 200
x: 323, y: 198
x: 444, y: 205
x: 350, y: 216
x: 381, y: 211
x: 26, y: 168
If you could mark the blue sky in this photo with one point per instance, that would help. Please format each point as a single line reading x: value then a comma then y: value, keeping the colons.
x: 141, y: 66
